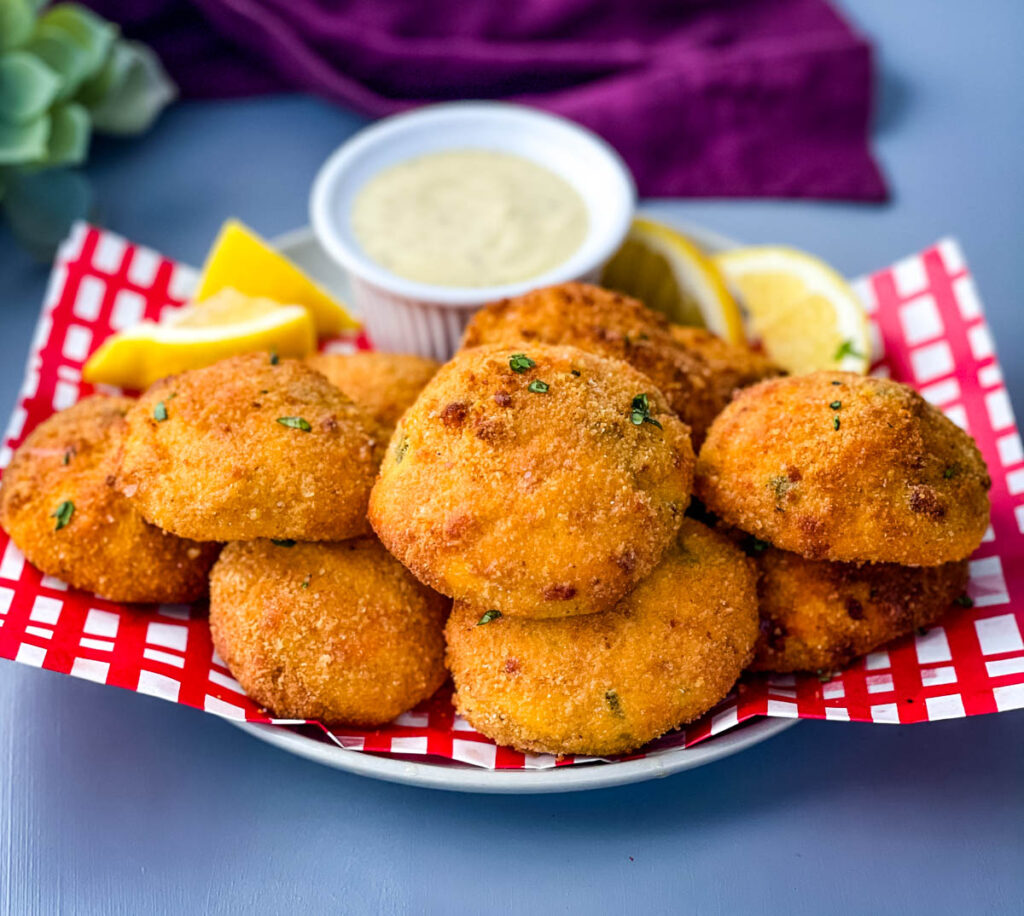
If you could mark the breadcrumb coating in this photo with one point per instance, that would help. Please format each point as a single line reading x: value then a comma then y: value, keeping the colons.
x: 385, y: 384
x: 610, y: 683
x: 844, y: 467
x: 63, y: 475
x: 541, y: 481
x: 731, y: 366
x: 250, y: 447
x: 608, y: 324
x: 820, y: 616
x: 340, y: 633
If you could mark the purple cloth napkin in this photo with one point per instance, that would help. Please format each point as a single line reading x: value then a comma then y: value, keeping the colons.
x: 703, y: 98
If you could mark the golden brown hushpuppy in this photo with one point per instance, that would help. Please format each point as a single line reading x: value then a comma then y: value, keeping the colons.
x: 609, y: 683
x: 542, y: 481
x: 250, y: 447
x: 842, y: 467
x: 731, y: 366
x: 340, y: 633
x: 819, y: 616
x: 59, y: 505
x: 609, y: 324
x: 384, y: 384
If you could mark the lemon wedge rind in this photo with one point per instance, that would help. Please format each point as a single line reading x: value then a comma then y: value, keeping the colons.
x: 670, y: 273
x: 138, y: 356
x: 241, y: 259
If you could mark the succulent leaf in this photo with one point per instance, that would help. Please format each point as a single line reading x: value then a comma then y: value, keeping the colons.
x: 95, y: 36
x: 107, y: 79
x: 62, y: 54
x: 138, y: 91
x: 41, y: 207
x: 27, y: 87
x: 24, y: 144
x: 64, y: 72
x: 16, y: 20
x: 69, y: 135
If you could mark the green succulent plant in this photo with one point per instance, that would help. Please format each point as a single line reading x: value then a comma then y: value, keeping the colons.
x: 64, y: 74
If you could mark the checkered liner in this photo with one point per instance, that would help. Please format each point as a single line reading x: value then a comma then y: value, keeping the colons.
x: 928, y: 330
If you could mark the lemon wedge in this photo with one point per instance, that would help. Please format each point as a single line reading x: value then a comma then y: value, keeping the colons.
x: 198, y: 336
x: 241, y: 260
x: 803, y: 312
x: 668, y: 272
x: 228, y: 306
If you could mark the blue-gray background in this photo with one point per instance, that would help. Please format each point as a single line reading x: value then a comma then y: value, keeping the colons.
x: 112, y: 802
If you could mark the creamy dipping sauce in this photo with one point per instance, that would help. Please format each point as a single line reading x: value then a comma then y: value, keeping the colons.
x: 468, y: 218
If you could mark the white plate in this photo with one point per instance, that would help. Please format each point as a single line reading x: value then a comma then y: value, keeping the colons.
x: 456, y: 777
x: 301, y: 246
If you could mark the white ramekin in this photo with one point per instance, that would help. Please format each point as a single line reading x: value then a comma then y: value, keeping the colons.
x: 405, y: 316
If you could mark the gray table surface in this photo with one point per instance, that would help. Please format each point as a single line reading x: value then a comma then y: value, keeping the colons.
x: 112, y: 802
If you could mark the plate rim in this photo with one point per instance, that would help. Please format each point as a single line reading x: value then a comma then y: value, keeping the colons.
x: 455, y: 777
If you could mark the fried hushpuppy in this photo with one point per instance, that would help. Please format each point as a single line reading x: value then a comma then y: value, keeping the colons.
x: 543, y: 482
x: 732, y: 366
x: 609, y: 683
x: 609, y: 324
x: 250, y: 447
x: 340, y: 632
x: 384, y: 384
x: 844, y: 467
x: 819, y: 616
x: 59, y: 505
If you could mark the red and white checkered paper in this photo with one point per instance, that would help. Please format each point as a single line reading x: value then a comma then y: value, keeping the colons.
x: 929, y: 330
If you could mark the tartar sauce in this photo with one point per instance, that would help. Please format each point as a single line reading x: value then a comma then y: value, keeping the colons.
x: 468, y: 218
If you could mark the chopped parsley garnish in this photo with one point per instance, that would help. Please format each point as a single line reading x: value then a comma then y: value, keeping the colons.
x: 66, y: 460
x: 834, y: 382
x: 538, y: 387
x: 575, y: 372
x: 835, y: 405
x: 295, y: 423
x: 488, y: 617
x: 640, y: 412
x: 759, y: 546
x: 305, y: 582
x: 779, y: 486
x: 160, y: 412
x: 520, y: 362
x: 401, y: 449
x: 614, y: 702
x: 951, y: 471
x: 963, y: 601
x: 283, y: 542
x: 823, y: 675
x: 846, y: 348
x: 63, y: 514
x: 835, y: 422
x: 274, y: 358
